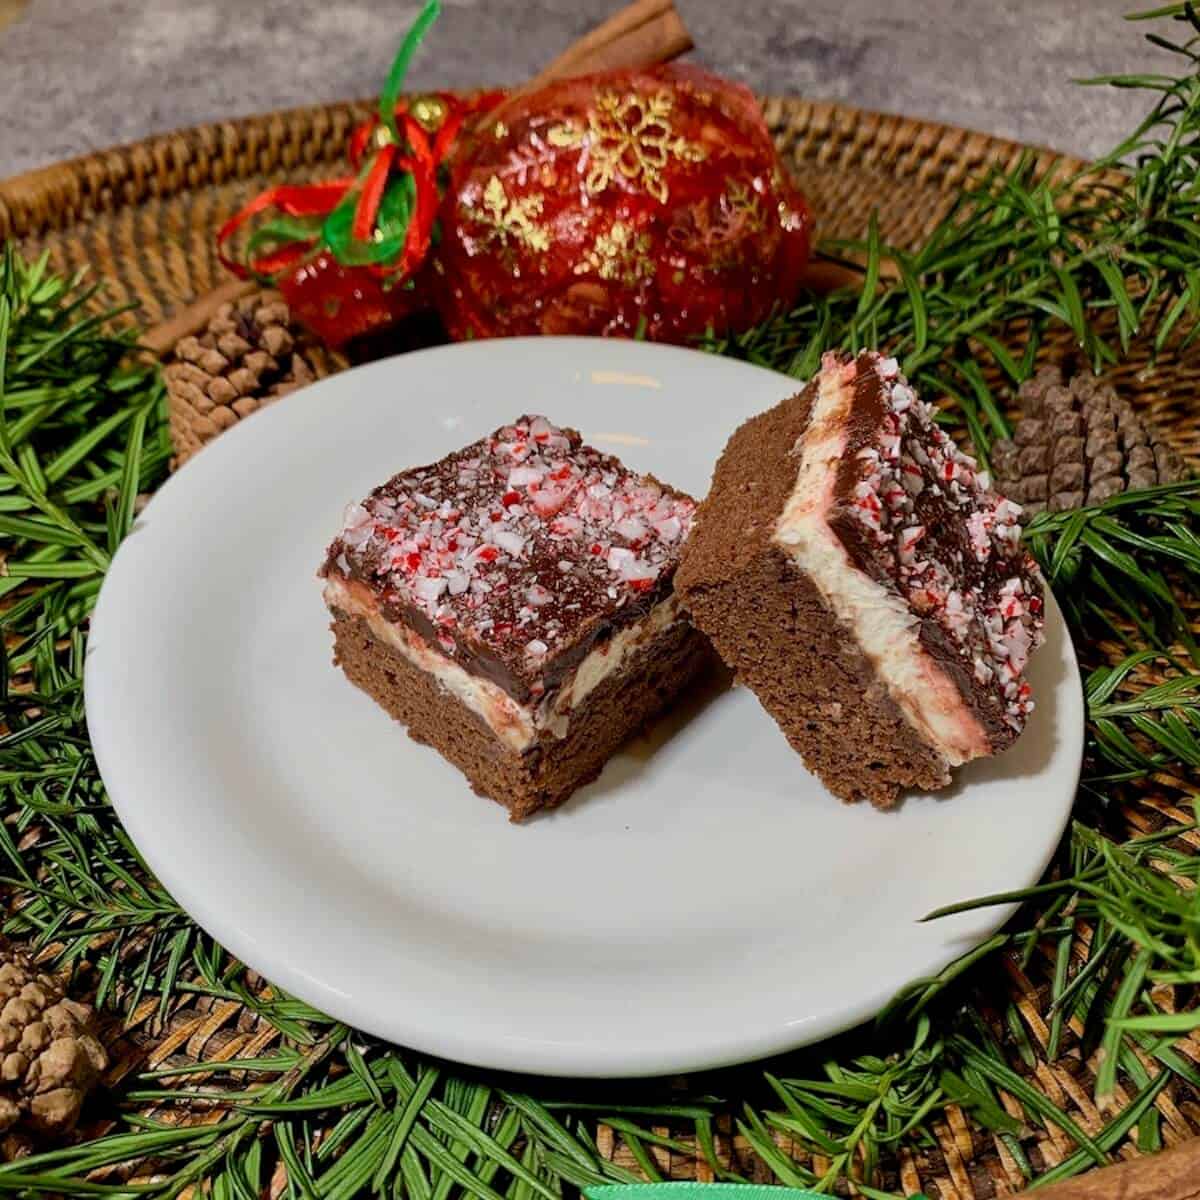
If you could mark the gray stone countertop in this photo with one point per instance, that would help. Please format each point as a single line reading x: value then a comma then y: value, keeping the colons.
x: 79, y: 75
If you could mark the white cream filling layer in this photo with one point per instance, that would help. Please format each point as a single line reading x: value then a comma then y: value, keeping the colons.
x: 880, y: 620
x: 517, y: 725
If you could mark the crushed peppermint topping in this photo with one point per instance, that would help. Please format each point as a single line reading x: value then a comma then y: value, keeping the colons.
x: 515, y: 541
x: 914, y: 485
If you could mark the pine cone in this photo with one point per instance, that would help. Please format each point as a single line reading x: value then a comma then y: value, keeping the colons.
x: 49, y: 1053
x: 248, y: 355
x: 1077, y: 442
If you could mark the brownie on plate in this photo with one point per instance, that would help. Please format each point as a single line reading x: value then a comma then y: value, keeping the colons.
x: 858, y: 573
x: 513, y: 606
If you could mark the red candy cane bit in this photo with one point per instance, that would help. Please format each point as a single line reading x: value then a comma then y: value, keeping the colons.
x: 371, y: 195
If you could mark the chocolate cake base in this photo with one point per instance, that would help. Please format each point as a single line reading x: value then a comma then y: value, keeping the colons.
x: 545, y: 774
x: 771, y: 626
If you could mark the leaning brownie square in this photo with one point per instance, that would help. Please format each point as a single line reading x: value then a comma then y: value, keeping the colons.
x: 861, y: 576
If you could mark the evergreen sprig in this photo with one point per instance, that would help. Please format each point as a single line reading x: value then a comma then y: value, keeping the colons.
x: 1107, y: 258
x: 1127, y: 574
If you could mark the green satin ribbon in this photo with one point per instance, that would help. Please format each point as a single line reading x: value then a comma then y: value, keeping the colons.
x: 703, y: 1191
x: 395, y: 80
x: 391, y: 224
x: 334, y: 230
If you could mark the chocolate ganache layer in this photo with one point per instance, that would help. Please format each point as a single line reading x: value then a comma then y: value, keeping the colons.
x: 517, y: 555
x: 914, y: 513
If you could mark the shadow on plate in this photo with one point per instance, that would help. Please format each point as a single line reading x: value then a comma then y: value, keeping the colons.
x: 640, y: 749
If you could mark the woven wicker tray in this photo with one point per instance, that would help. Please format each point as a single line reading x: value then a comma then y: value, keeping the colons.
x: 142, y: 218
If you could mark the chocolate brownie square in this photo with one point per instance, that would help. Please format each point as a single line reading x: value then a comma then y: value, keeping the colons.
x: 513, y: 605
x: 859, y: 574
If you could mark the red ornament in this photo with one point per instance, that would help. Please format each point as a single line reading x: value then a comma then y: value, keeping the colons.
x: 631, y: 201
x: 647, y: 200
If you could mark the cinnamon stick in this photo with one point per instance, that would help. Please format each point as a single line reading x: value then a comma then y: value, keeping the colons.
x: 627, y: 20
x: 641, y: 34
x: 1170, y: 1175
x: 161, y: 338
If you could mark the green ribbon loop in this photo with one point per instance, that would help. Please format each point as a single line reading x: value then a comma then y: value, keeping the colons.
x: 400, y: 194
x: 280, y: 231
x: 395, y: 79
x: 391, y: 225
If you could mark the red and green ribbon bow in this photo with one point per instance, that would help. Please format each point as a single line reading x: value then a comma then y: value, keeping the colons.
x: 380, y: 218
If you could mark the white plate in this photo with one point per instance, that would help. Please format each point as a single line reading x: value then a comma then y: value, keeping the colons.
x: 704, y: 902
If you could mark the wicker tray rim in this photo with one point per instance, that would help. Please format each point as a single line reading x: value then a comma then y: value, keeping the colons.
x: 54, y: 196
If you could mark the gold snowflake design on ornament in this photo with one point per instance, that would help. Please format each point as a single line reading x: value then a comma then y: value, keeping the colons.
x: 619, y: 255
x: 722, y: 226
x: 628, y: 137
x: 744, y: 209
x: 507, y: 221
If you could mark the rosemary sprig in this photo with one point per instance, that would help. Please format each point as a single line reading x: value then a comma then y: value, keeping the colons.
x: 1141, y: 901
x: 1127, y: 573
